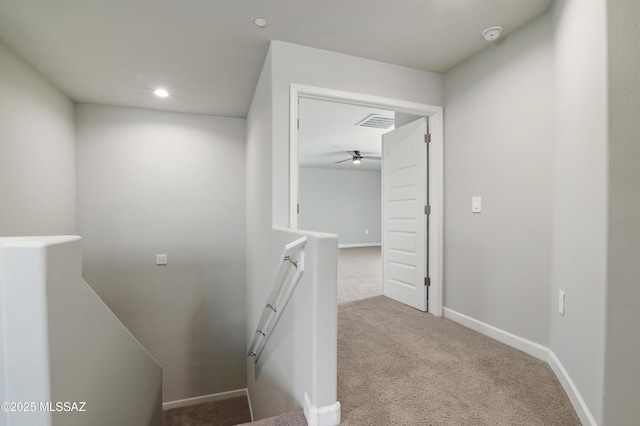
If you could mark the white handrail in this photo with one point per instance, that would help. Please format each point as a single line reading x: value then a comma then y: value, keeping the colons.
x: 284, y: 284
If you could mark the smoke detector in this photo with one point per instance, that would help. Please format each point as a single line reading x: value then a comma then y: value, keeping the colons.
x: 492, y: 33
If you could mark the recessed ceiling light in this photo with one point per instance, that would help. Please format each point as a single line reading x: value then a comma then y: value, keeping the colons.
x: 161, y: 93
x: 260, y: 22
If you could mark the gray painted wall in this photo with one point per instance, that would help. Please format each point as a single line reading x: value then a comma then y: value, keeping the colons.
x: 154, y: 182
x: 498, y: 145
x: 268, y: 176
x: 341, y: 202
x: 622, y: 370
x: 37, y: 153
x: 301, y: 356
x: 401, y: 119
x: 526, y: 130
x: 321, y: 68
x: 95, y: 359
x: 62, y: 344
x: 579, y: 219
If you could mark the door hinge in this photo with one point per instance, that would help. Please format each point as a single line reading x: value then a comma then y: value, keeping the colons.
x: 427, y: 138
x: 427, y: 281
x: 298, y: 208
x: 298, y: 124
x: 427, y: 209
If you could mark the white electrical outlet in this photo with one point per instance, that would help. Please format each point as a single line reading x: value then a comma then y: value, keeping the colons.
x: 561, y: 302
x: 161, y: 259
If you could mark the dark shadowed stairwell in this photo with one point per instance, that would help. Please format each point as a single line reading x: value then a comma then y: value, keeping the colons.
x: 227, y: 412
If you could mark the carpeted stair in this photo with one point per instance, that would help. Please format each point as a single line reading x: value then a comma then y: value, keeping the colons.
x: 294, y: 418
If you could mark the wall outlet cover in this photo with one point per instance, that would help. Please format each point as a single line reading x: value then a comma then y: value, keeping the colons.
x: 161, y: 259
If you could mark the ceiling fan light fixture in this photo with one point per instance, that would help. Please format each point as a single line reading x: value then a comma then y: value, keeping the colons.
x: 161, y: 93
x: 356, y: 160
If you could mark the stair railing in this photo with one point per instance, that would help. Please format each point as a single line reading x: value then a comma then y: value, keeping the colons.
x: 289, y: 273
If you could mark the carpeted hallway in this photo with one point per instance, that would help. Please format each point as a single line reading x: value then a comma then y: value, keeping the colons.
x: 399, y: 366
x: 359, y: 273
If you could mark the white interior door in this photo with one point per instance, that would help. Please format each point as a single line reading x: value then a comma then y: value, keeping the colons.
x: 404, y: 218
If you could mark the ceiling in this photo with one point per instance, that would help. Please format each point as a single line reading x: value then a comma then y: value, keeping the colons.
x: 208, y: 53
x: 328, y: 130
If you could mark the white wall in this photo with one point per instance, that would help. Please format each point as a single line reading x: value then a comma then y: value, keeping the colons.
x: 37, y: 153
x: 301, y: 355
x: 314, y: 67
x: 401, y: 119
x: 154, y: 182
x: 579, y: 219
x: 61, y: 343
x: 622, y: 370
x: 498, y: 144
x: 526, y: 129
x: 268, y: 194
x: 341, y: 202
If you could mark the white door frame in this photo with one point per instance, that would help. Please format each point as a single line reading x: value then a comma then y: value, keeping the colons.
x: 436, y: 163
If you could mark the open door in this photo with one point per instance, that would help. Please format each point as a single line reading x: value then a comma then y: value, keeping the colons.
x: 405, y: 214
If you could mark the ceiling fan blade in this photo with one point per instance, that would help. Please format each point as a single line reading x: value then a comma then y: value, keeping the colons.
x: 371, y: 158
x: 354, y: 153
x: 342, y: 161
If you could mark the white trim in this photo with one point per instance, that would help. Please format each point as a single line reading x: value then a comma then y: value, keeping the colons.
x: 436, y: 217
x: 328, y: 415
x: 250, y: 405
x: 359, y: 245
x: 436, y: 165
x: 586, y: 418
x: 293, y: 157
x: 527, y: 346
x: 535, y: 350
x: 207, y: 398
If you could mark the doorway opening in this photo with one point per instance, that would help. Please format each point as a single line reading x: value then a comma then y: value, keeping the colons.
x: 361, y: 230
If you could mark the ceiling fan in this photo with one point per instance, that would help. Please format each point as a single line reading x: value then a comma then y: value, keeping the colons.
x: 357, y: 158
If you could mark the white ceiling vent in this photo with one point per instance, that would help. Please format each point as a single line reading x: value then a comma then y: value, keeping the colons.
x: 377, y: 121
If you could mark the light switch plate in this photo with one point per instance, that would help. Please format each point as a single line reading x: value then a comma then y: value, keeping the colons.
x: 161, y: 259
x: 476, y: 204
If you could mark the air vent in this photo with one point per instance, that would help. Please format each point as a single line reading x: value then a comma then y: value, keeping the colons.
x: 377, y: 121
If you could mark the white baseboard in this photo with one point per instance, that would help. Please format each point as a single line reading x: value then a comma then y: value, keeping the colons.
x: 535, y: 350
x: 207, y: 398
x: 250, y: 406
x: 359, y: 245
x: 586, y: 418
x: 321, y: 416
x: 526, y: 346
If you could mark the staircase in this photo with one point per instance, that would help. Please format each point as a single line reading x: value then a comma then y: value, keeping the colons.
x: 59, y: 343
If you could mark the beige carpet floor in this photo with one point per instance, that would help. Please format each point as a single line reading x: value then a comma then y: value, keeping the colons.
x: 227, y: 412
x: 399, y: 366
x: 294, y: 418
x: 359, y: 273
